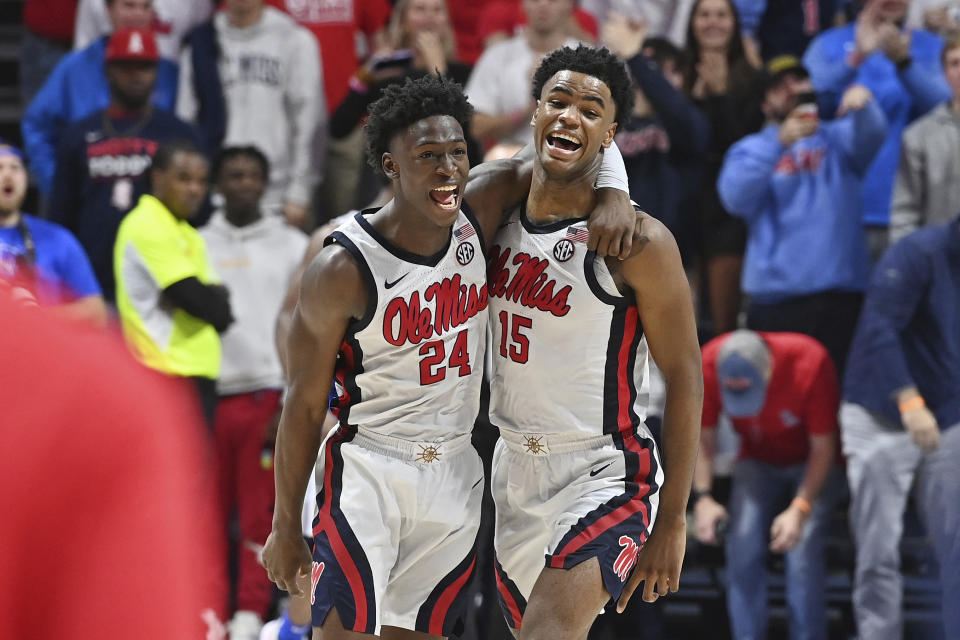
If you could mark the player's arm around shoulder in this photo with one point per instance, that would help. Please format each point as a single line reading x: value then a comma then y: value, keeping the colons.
x: 495, y: 187
x: 664, y: 303
x: 332, y: 294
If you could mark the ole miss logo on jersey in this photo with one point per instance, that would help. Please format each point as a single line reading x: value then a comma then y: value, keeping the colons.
x: 529, y: 285
x: 408, y: 320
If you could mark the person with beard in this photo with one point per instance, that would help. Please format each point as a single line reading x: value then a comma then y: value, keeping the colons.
x: 103, y: 162
x: 797, y: 184
x: 256, y: 255
x: 170, y: 300
x: 40, y: 261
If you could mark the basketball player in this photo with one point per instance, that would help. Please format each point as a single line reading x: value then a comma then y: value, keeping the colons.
x: 394, y: 308
x: 577, y: 478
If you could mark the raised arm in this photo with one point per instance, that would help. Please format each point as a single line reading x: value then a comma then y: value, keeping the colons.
x: 657, y: 279
x: 332, y: 295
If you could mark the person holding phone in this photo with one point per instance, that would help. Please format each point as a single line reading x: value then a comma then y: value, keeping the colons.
x: 797, y: 185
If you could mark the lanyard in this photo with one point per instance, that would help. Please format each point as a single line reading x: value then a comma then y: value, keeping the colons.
x: 28, y: 244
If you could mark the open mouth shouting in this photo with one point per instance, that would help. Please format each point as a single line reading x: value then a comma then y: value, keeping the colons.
x: 563, y: 144
x: 447, y: 197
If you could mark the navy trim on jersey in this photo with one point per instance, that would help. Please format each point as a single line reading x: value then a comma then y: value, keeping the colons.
x: 442, y: 613
x: 468, y: 213
x: 347, y: 243
x: 343, y: 598
x: 350, y: 365
x: 512, y: 603
x: 403, y: 254
x: 589, y: 272
x: 624, y: 317
x: 549, y: 227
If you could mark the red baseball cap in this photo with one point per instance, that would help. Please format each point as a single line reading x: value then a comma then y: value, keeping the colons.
x: 132, y: 44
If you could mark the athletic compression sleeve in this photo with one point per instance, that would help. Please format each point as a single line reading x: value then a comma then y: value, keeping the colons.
x: 207, y: 302
x: 613, y: 173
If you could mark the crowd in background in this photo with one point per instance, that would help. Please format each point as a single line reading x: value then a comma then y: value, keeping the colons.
x: 804, y: 153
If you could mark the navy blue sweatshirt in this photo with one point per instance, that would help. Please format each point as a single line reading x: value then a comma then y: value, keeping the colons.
x: 661, y: 153
x: 102, y: 170
x: 909, y: 330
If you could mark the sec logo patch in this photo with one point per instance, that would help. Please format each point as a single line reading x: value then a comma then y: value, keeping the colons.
x: 563, y: 250
x: 465, y: 253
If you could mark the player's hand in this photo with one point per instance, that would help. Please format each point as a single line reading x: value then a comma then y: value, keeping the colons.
x: 612, y: 225
x: 658, y: 563
x: 295, y: 214
x: 923, y: 428
x: 707, y: 512
x: 287, y: 557
x: 786, y: 530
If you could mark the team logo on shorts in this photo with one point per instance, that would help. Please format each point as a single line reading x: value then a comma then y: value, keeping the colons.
x: 464, y: 253
x: 563, y: 250
x: 314, y: 579
x: 428, y: 454
x: 534, y: 445
x: 627, y: 558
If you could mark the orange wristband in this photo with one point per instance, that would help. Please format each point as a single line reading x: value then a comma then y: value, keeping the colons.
x: 802, y: 504
x: 913, y: 403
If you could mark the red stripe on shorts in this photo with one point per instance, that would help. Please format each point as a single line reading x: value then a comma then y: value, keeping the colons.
x: 445, y: 601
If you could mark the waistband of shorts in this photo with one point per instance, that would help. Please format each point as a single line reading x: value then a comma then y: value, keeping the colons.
x: 538, y: 444
x: 411, y: 450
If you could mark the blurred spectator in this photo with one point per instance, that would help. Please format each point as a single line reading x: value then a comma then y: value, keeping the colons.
x: 659, y: 18
x: 264, y: 71
x: 256, y: 256
x: 900, y: 425
x: 499, y: 87
x: 106, y: 454
x: 78, y: 87
x: 104, y: 158
x: 503, y: 19
x: 726, y: 87
x: 172, y: 20
x: 926, y: 190
x: 785, y: 27
x: 169, y: 298
x: 664, y: 139
x: 419, y: 40
x: 337, y: 25
x: 781, y: 391
x: 47, y: 35
x: 939, y: 16
x: 902, y: 70
x: 41, y: 258
x: 797, y: 186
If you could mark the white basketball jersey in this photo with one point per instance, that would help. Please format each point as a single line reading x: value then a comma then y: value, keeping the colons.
x: 569, y: 355
x: 411, y: 367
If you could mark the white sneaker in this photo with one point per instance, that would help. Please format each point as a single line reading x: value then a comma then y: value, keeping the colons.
x: 271, y: 630
x: 245, y: 625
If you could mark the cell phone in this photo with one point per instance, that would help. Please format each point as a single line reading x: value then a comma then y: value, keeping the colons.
x: 807, y: 104
x: 400, y: 58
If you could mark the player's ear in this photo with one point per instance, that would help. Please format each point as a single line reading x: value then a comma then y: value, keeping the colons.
x: 536, y: 112
x: 608, y: 135
x: 389, y: 166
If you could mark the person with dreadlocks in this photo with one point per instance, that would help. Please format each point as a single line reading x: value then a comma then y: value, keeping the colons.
x: 585, y: 510
x: 393, y: 310
x: 40, y: 261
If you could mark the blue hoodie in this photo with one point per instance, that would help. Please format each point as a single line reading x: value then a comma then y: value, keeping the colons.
x: 802, y: 206
x: 903, y: 96
x: 77, y: 87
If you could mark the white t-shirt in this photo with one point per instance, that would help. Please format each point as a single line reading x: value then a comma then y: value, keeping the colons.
x: 501, y: 83
x: 172, y: 22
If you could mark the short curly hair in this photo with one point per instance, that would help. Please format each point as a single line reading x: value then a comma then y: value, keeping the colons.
x: 404, y: 104
x: 598, y: 62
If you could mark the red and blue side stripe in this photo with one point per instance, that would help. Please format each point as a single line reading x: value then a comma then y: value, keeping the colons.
x: 512, y: 603
x: 442, y: 613
x: 355, y: 602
